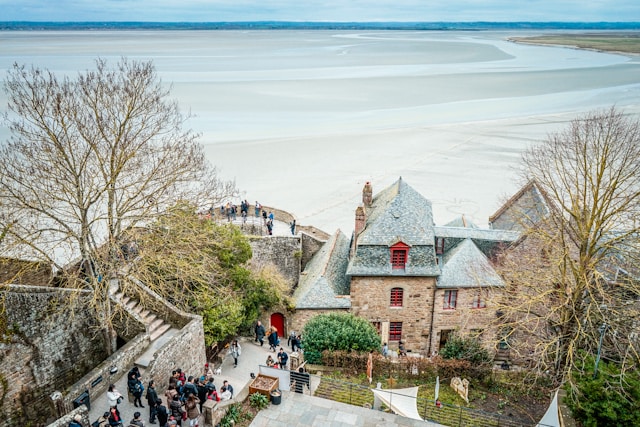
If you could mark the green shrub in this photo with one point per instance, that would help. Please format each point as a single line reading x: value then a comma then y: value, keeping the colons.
x: 338, y: 331
x: 611, y: 399
x: 465, y: 348
x: 259, y: 401
x: 231, y: 417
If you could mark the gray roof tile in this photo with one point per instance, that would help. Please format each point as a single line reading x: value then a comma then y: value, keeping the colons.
x: 465, y: 266
x: 324, y: 283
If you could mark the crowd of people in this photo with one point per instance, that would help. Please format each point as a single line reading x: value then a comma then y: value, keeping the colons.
x: 185, y: 398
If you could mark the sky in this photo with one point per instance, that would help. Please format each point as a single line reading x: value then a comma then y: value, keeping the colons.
x: 321, y: 10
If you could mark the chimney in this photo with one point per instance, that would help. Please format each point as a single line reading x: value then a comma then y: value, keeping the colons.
x: 367, y: 195
x: 361, y: 220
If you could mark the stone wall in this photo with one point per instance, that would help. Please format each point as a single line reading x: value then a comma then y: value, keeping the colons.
x: 66, y: 419
x: 370, y: 299
x: 284, y: 253
x: 185, y: 351
x: 49, y: 341
x: 465, y: 319
x: 310, y: 244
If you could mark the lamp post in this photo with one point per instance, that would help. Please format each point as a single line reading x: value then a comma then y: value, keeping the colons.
x: 602, y: 330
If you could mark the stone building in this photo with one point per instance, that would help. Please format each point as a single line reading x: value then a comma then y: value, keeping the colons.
x: 415, y: 281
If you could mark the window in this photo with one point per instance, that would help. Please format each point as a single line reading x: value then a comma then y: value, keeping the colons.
x: 450, y: 298
x: 439, y: 245
x: 444, y: 336
x: 399, y: 255
x: 479, y: 301
x: 395, y: 331
x: 396, y: 297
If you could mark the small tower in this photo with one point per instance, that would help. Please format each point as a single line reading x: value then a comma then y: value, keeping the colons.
x: 367, y: 195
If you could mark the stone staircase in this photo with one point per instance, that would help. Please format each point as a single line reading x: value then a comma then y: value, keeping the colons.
x: 155, y: 325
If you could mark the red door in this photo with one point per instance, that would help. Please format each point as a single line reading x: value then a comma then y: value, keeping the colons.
x: 277, y: 320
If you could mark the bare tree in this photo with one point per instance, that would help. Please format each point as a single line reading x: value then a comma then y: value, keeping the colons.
x: 573, y: 275
x: 89, y: 158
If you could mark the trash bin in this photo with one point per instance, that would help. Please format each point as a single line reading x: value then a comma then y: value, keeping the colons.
x: 83, y: 399
x: 276, y: 397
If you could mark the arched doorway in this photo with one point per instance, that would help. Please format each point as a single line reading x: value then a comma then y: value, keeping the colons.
x: 277, y: 320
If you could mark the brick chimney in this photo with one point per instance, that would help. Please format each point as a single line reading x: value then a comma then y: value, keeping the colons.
x: 367, y: 195
x: 361, y: 220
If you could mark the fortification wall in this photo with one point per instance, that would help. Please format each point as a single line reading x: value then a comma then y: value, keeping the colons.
x: 49, y: 340
x: 284, y: 253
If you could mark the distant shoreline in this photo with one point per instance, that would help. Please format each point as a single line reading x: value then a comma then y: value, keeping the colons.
x: 614, y: 42
x: 292, y: 25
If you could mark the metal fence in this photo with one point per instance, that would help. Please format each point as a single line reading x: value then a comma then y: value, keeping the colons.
x: 447, y: 415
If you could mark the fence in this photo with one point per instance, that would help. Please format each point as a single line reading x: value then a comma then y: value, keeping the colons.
x: 447, y: 415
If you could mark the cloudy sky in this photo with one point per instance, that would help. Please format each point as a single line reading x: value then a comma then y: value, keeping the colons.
x: 319, y: 10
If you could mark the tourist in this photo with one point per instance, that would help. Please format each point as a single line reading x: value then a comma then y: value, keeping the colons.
x: 176, y: 409
x: 163, y: 413
x: 170, y: 392
x: 225, y: 394
x: 273, y: 338
x: 292, y: 225
x: 136, y: 421
x: 136, y: 388
x: 235, y: 352
x: 264, y: 217
x: 228, y: 386
x: 103, y: 421
x: 385, y: 349
x: 189, y: 388
x: 77, y: 421
x: 212, y: 394
x: 270, y: 362
x: 152, y: 398
x: 115, y: 420
x: 257, y: 209
x: 299, y: 380
x: 283, y: 357
x: 202, y: 390
x: 259, y: 330
x: 191, y: 405
x: 113, y: 396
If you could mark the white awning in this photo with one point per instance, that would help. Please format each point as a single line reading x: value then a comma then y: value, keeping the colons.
x: 402, y: 401
x: 550, y: 418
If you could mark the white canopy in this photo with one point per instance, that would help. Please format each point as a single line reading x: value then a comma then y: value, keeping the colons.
x: 402, y: 401
x: 550, y: 418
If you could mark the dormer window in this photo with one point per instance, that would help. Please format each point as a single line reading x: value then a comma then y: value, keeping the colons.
x: 399, y: 255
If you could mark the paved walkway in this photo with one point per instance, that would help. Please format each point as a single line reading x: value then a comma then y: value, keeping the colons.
x: 251, y: 358
x: 298, y: 410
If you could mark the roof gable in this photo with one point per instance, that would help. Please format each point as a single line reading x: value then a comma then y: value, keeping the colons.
x: 465, y: 266
x: 398, y: 213
x: 323, y: 283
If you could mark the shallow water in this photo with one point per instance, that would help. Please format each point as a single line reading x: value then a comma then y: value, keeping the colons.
x: 301, y: 119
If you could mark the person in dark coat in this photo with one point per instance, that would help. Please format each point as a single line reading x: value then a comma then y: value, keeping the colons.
x: 135, y: 387
x: 260, y: 333
x: 163, y: 413
x: 273, y: 339
x: 152, y: 398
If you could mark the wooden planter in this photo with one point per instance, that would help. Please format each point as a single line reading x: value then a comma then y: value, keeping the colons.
x: 264, y: 384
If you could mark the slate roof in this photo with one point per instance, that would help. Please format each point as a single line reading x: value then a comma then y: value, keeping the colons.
x: 529, y: 205
x: 465, y: 266
x: 398, y: 213
x: 324, y: 283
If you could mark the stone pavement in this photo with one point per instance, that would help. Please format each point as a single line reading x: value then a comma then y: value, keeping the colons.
x: 249, y: 361
x: 298, y: 410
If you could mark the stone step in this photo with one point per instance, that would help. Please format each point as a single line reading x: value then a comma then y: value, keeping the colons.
x: 155, y: 324
x: 159, y: 331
